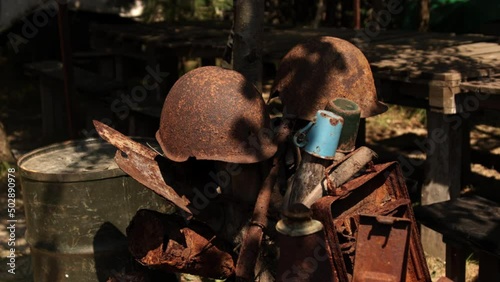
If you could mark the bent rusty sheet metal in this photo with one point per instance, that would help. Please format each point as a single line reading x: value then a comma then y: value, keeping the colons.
x: 140, y: 163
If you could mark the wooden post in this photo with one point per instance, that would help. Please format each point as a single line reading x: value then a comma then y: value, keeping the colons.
x: 5, y: 152
x: 320, y: 10
x: 455, y: 263
x: 444, y: 147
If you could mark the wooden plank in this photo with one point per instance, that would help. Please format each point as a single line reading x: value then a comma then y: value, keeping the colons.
x: 482, y: 86
x: 430, y: 65
x: 432, y: 41
x: 472, y: 49
x: 470, y: 221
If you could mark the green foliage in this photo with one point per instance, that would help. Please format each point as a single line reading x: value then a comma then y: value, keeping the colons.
x: 459, y: 16
x: 402, y: 116
x: 4, y: 166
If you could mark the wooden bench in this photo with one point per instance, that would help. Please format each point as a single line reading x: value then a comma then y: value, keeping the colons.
x: 467, y: 224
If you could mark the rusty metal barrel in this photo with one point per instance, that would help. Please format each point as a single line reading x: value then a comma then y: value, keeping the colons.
x: 78, y: 203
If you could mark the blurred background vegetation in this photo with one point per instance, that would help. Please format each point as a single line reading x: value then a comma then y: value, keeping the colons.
x: 461, y: 16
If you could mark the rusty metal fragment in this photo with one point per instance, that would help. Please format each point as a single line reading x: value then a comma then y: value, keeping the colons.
x: 122, y: 142
x: 380, y: 191
x: 381, y: 249
x: 213, y: 113
x: 140, y: 163
x: 315, y: 72
x: 147, y: 172
x: 164, y: 242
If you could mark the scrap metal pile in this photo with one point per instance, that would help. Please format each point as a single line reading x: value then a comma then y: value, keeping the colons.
x: 285, y: 199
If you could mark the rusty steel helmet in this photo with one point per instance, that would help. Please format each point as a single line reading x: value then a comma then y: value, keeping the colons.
x: 314, y: 73
x: 213, y: 113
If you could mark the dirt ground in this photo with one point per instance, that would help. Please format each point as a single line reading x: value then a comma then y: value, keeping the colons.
x: 391, y: 135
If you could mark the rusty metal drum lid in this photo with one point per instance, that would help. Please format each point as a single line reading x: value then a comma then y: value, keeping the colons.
x: 73, y: 161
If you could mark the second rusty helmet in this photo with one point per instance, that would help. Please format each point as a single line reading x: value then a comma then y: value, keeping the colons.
x: 213, y: 113
x: 313, y: 73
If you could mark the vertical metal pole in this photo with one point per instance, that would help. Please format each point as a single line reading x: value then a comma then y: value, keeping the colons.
x: 247, y: 46
x: 357, y: 14
x: 65, y: 44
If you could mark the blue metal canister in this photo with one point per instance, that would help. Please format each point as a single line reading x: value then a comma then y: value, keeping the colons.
x: 320, y: 137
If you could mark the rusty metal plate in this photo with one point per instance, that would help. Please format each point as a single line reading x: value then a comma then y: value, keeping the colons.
x: 381, y: 249
x: 147, y: 172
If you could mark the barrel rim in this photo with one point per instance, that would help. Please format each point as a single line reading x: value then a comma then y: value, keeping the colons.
x: 70, y: 177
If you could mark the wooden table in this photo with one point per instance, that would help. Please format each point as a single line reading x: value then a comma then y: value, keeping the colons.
x: 467, y: 223
x: 449, y: 75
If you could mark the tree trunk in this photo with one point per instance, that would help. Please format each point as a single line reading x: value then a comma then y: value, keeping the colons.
x: 424, y: 16
x: 5, y: 152
x: 247, y: 50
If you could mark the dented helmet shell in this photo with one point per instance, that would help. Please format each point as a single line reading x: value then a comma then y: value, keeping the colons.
x: 314, y: 73
x: 213, y: 113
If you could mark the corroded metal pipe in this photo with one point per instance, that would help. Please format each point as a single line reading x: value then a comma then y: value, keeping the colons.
x: 347, y: 169
x: 251, y: 243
